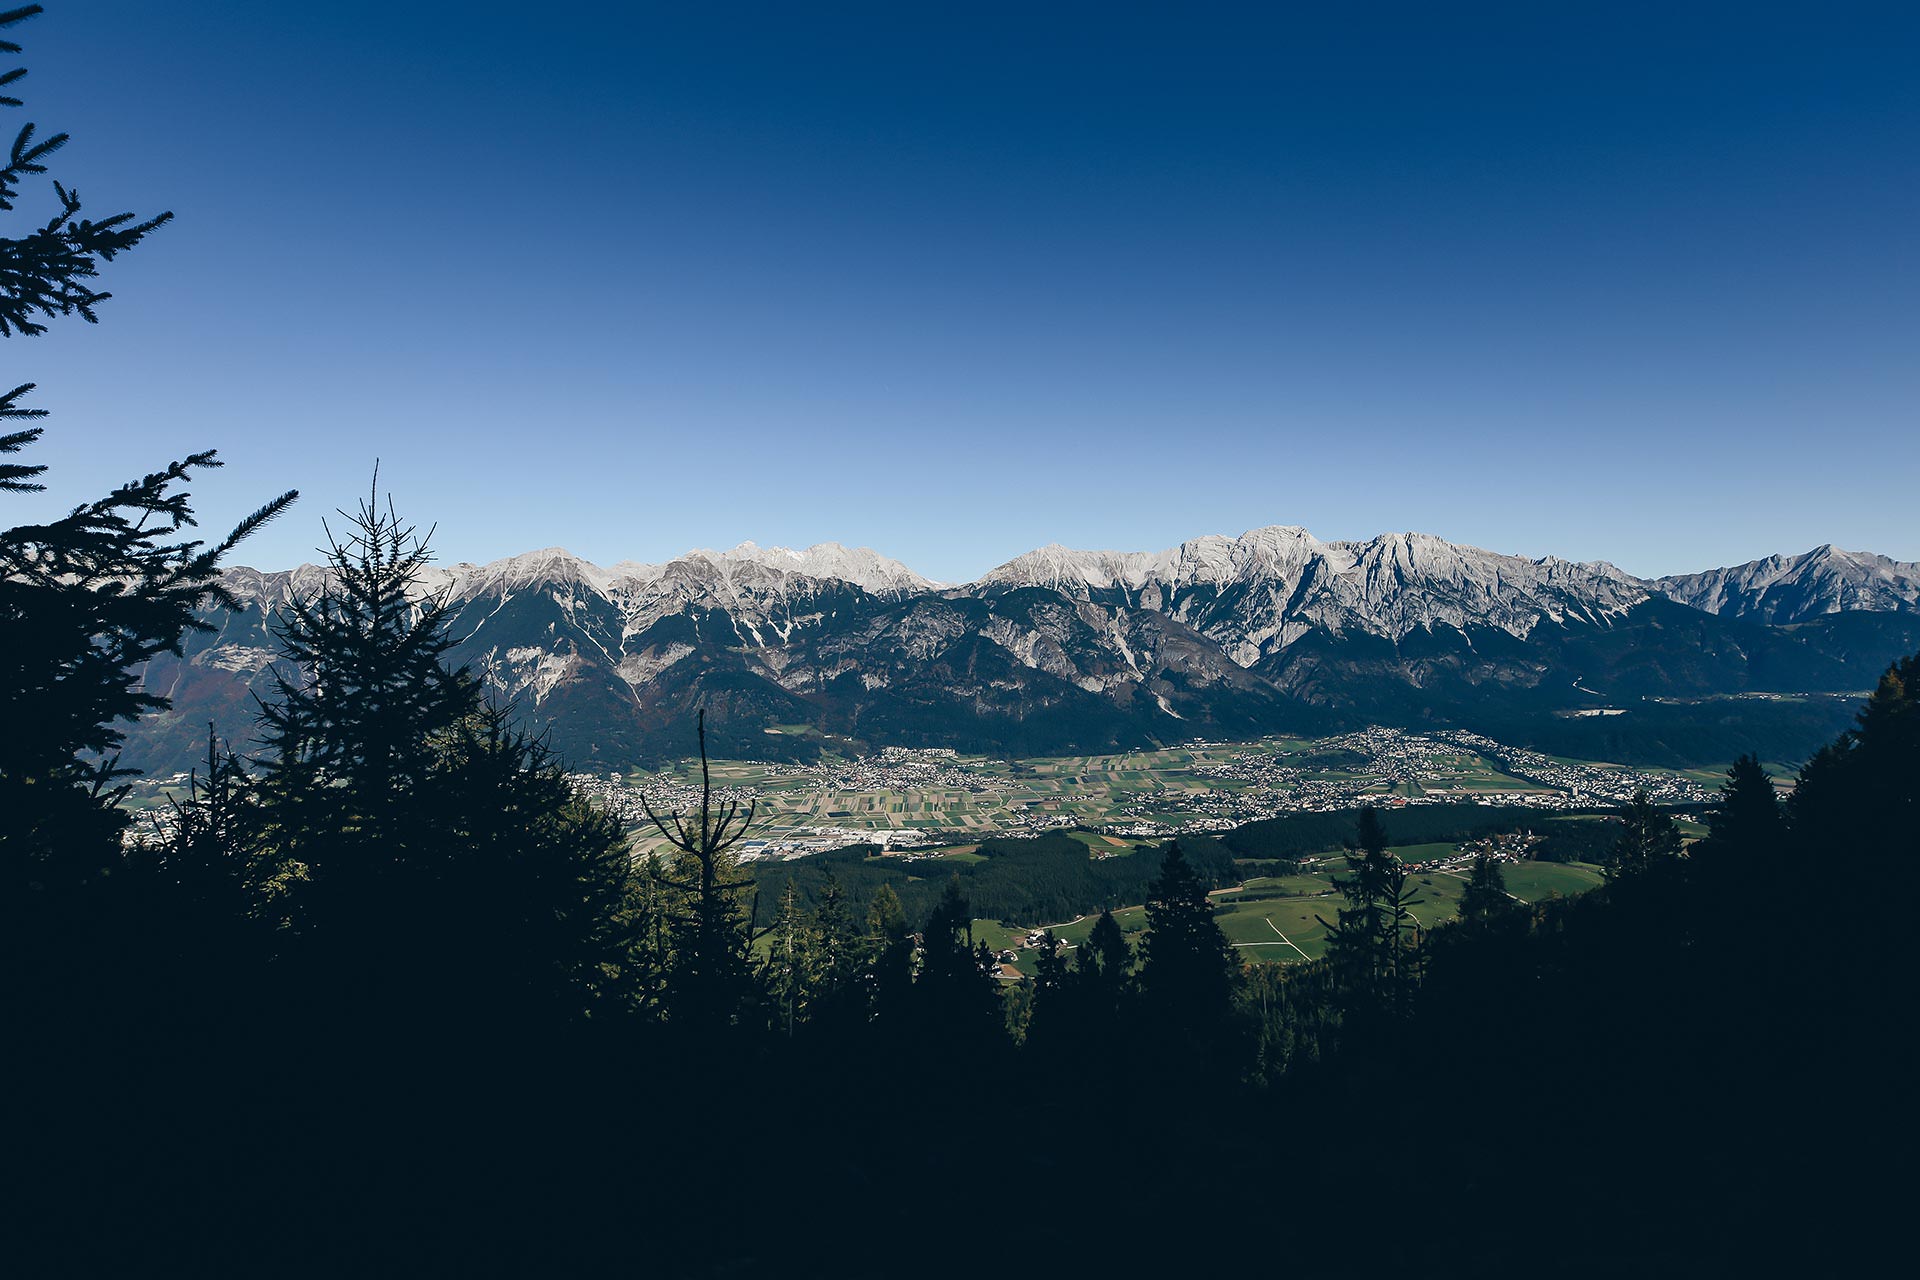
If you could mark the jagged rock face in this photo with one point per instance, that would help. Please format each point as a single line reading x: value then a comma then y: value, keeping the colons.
x: 1257, y: 594
x: 1784, y: 589
x: 1058, y: 650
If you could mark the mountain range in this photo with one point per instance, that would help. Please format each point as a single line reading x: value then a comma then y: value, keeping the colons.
x: 1064, y: 651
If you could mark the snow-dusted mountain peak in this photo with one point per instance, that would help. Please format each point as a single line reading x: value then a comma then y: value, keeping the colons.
x: 1211, y: 558
x: 862, y: 566
x: 550, y: 566
x: 1266, y: 588
x: 1782, y: 589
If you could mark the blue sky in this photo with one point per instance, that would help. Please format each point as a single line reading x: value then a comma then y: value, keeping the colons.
x: 1602, y: 281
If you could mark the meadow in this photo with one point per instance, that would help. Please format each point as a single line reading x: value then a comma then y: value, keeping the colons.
x: 1279, y: 919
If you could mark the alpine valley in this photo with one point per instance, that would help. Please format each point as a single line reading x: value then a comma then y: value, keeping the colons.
x: 1061, y: 651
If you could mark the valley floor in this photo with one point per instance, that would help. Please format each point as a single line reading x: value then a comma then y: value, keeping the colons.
x: 907, y: 801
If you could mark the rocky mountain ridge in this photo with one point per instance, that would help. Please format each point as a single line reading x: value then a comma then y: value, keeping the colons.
x: 1787, y: 589
x: 1074, y: 651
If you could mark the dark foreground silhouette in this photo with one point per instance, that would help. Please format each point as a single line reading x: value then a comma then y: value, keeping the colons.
x: 396, y: 998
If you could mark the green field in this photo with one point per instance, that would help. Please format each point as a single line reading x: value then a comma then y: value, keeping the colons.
x: 1278, y: 918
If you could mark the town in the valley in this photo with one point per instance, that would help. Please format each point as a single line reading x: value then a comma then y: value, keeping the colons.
x: 903, y: 800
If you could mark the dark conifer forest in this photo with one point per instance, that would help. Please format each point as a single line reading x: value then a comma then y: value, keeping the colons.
x: 384, y: 994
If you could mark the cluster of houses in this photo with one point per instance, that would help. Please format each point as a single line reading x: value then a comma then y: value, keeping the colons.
x: 1513, y: 846
x: 1382, y: 766
x: 1583, y: 785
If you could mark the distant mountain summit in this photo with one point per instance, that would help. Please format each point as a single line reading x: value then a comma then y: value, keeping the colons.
x: 862, y: 566
x: 699, y: 575
x: 1784, y: 589
x: 1258, y: 593
x: 1061, y: 651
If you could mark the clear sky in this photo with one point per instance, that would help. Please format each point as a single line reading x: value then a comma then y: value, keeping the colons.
x: 1596, y: 280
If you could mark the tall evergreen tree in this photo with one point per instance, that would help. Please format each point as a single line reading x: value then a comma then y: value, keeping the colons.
x: 1485, y: 900
x: 536, y: 881
x: 84, y: 601
x: 1859, y: 797
x: 1746, y: 829
x: 888, y: 956
x: 839, y: 1002
x: 711, y: 984
x: 1648, y: 840
x: 362, y: 699
x: 1105, y: 961
x: 956, y: 998
x: 445, y: 869
x: 1056, y: 1022
x: 839, y: 941
x: 1855, y: 812
x: 793, y: 971
x: 1084, y: 1009
x: 1188, y: 970
x: 1368, y: 943
x: 1052, y: 970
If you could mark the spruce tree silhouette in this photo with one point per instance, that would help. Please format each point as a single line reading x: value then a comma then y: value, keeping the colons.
x: 1854, y: 816
x: 956, y: 999
x: 1860, y: 793
x: 838, y: 939
x: 1189, y: 973
x: 221, y: 886
x: 84, y: 601
x: 1368, y: 944
x: 795, y: 967
x: 833, y: 1003
x: 1745, y: 849
x: 1647, y: 842
x: 887, y: 964
x: 209, y: 847
x: 1083, y: 1008
x: 1104, y: 983
x: 711, y: 986
x: 1052, y: 1024
x: 1485, y: 901
x: 448, y: 876
x: 361, y: 699
x: 552, y: 921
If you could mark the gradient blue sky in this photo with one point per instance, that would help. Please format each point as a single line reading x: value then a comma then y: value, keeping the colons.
x: 1602, y: 281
